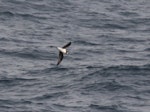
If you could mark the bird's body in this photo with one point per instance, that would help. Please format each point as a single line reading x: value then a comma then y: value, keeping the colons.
x: 62, y: 50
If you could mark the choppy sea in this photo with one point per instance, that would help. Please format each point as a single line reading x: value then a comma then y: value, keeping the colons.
x: 107, y: 68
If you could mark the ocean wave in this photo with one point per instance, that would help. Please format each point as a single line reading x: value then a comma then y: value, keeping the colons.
x: 117, y: 68
x: 112, y: 108
x: 7, y: 13
x: 147, y: 49
x: 26, y: 53
x: 121, y: 67
x: 115, y: 26
x: 29, y: 16
x: 49, y: 96
x: 4, y: 39
x: 116, y: 79
x: 9, y: 80
x: 128, y: 67
x: 14, y: 82
x: 85, y: 43
x: 111, y: 86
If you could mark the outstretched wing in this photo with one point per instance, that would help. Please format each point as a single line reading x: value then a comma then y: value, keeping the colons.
x: 60, y: 58
x: 67, y: 45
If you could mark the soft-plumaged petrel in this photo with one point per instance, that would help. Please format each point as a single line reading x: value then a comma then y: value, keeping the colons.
x: 62, y: 51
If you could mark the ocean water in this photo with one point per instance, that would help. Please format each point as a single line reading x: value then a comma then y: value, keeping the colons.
x: 108, y: 65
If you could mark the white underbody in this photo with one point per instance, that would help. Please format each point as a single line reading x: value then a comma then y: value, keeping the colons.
x: 62, y: 50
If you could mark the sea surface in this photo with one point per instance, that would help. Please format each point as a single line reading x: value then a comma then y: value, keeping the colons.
x: 108, y: 65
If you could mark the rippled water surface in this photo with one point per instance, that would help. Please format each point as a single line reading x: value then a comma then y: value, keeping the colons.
x: 108, y: 66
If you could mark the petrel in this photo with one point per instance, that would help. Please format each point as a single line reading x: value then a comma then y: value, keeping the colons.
x: 62, y: 51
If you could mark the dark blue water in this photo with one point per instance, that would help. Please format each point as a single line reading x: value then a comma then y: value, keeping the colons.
x: 107, y: 69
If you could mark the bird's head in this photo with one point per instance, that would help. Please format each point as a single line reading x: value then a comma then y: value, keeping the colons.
x: 67, y: 52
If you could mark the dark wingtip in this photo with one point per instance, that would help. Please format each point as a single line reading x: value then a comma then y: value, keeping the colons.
x: 67, y: 45
x: 60, y: 58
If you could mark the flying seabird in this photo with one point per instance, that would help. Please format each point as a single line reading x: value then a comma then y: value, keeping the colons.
x: 62, y: 50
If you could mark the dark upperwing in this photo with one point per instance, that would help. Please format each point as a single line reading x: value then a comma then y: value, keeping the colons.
x: 67, y: 45
x: 60, y: 58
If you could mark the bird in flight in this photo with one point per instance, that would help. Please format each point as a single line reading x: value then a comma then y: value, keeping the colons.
x: 62, y: 51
